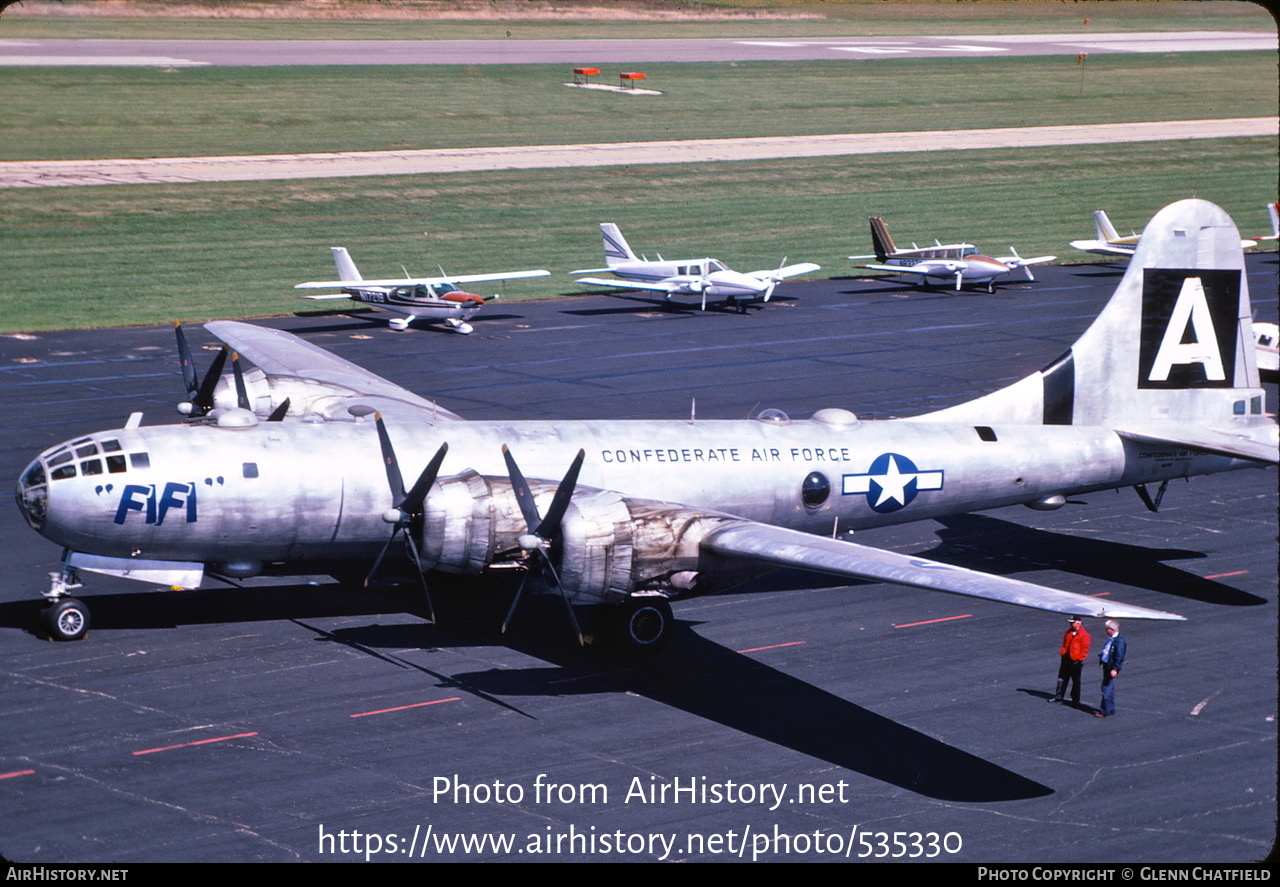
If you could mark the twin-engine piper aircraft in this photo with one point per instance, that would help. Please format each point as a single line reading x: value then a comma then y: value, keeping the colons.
x: 1110, y: 242
x: 431, y: 299
x: 706, y: 278
x: 296, y: 467
x: 960, y: 262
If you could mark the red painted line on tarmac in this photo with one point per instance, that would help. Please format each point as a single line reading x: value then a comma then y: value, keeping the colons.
x: 772, y: 647
x: 148, y: 751
x: 931, y: 621
x: 383, y: 711
x: 16, y: 773
x: 1225, y: 575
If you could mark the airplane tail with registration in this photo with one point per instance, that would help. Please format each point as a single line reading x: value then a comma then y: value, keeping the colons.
x: 1169, y: 361
x: 880, y: 239
x: 347, y: 270
x: 616, y: 249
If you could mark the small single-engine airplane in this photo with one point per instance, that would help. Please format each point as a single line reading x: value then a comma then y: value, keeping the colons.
x: 296, y: 467
x: 960, y: 262
x: 1109, y: 242
x: 422, y: 298
x: 707, y: 278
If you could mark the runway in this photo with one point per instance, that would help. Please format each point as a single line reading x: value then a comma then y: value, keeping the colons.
x: 187, y: 53
x: 806, y: 720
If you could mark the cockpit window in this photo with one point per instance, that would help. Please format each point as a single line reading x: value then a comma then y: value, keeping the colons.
x: 111, y: 446
x: 116, y: 464
x: 64, y: 472
x: 91, y: 466
x: 139, y: 460
x: 34, y: 476
x: 91, y: 450
x: 64, y: 456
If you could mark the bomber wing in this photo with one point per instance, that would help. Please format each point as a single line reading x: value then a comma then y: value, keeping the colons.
x: 418, y: 281
x: 282, y: 354
x: 782, y: 547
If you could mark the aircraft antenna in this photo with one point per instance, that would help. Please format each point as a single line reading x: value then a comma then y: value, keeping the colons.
x: 693, y: 411
x: 406, y: 272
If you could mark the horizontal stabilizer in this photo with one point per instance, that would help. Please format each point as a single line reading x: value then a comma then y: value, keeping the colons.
x: 1205, y: 439
x: 782, y: 547
x: 327, y: 296
x: 1102, y: 247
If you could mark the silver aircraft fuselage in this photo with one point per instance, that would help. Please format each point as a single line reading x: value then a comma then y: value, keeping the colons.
x: 310, y: 493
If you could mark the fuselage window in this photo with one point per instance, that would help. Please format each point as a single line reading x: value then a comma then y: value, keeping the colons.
x: 91, y: 466
x: 116, y: 464
x: 251, y: 469
x: 139, y: 460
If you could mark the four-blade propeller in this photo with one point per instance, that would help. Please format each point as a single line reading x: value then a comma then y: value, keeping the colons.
x: 543, y: 533
x: 407, y: 512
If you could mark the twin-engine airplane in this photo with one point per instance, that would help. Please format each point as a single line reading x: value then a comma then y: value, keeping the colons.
x: 960, y: 262
x: 706, y: 278
x: 296, y: 467
x: 424, y: 298
x: 1110, y: 242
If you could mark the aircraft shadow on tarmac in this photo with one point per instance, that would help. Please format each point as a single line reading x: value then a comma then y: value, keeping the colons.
x: 709, y: 681
x: 992, y: 545
x: 694, y: 674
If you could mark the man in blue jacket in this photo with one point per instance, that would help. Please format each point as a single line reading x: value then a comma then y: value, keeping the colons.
x: 1112, y: 659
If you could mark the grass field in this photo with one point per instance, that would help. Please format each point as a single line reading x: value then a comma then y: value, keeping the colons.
x: 64, y: 113
x: 523, y: 20
x: 108, y: 256
x: 116, y: 255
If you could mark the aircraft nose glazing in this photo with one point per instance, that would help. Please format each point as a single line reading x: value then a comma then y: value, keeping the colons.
x: 32, y: 495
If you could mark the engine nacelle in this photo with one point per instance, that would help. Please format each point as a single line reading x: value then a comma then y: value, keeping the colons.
x: 609, y: 546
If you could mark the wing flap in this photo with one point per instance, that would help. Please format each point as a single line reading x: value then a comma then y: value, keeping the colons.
x: 782, y: 547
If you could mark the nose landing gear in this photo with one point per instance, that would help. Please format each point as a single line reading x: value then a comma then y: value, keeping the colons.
x: 64, y: 618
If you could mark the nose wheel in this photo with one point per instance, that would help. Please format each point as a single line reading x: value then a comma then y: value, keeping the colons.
x: 66, y: 619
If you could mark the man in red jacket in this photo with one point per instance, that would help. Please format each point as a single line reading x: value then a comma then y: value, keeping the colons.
x: 1075, y: 650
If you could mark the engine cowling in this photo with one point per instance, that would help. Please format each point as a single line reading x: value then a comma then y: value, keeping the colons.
x: 609, y: 547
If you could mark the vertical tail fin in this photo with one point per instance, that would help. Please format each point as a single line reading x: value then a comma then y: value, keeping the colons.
x: 1273, y: 210
x: 616, y: 250
x: 347, y: 270
x: 1106, y: 231
x: 1172, y: 350
x: 880, y: 239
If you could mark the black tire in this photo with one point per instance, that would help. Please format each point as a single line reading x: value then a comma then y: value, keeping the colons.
x: 643, y: 624
x: 66, y: 619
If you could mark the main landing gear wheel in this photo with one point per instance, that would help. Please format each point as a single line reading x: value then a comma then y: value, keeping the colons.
x: 644, y: 624
x: 66, y: 619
